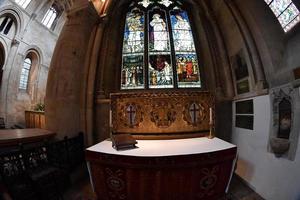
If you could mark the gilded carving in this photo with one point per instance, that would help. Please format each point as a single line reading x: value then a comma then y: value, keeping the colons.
x: 131, y: 115
x: 210, y: 178
x: 171, y: 114
x: 163, y: 113
x: 208, y: 182
x: 116, y: 184
x: 194, y: 113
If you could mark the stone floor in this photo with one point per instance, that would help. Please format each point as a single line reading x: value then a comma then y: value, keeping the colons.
x: 81, y: 189
x: 238, y: 190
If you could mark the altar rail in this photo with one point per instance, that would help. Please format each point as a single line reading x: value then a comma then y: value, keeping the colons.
x: 162, y: 115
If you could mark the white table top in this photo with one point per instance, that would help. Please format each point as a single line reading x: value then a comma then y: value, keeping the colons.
x: 159, y: 148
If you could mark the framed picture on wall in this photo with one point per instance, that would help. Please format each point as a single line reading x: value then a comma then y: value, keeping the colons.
x: 240, y: 73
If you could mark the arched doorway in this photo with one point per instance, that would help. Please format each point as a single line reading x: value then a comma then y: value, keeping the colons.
x: 2, y: 58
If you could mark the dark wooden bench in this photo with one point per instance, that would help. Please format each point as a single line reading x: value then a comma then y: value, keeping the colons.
x: 15, y: 177
x: 68, y: 153
x: 41, y: 171
x: 2, y: 123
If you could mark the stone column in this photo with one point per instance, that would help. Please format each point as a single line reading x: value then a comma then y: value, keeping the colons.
x: 66, y: 74
x: 8, y: 81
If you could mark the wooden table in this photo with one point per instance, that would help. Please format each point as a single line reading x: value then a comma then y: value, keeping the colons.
x: 186, y: 169
x: 10, y: 137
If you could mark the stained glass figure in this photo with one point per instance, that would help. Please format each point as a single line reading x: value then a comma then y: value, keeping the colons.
x: 160, y: 71
x: 286, y: 13
x: 182, y: 33
x: 133, y: 72
x: 187, y: 70
x: 188, y: 74
x: 158, y: 33
x: 132, y: 76
x: 134, y: 33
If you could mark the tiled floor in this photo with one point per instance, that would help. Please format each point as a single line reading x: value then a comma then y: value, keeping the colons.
x: 81, y: 189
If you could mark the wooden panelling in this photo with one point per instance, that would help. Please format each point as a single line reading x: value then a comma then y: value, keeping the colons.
x: 35, y: 119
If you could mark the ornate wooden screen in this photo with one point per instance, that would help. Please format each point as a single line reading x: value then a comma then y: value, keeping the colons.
x: 149, y: 115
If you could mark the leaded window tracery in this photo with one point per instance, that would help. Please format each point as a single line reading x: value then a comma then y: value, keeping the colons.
x: 158, y: 47
x: 286, y: 12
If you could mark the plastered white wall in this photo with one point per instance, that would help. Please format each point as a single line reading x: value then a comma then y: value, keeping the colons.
x: 273, y: 178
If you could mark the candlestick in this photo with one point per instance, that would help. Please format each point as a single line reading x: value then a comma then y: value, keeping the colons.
x: 211, y: 125
x: 110, y: 118
x: 210, y: 115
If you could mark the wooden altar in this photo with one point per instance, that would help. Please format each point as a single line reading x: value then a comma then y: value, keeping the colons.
x: 177, y: 157
x: 181, y: 169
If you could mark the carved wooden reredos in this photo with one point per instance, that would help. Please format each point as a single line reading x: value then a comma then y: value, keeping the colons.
x: 159, y: 115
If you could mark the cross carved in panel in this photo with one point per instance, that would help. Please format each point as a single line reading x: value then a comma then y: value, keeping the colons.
x: 194, y: 112
x: 131, y: 114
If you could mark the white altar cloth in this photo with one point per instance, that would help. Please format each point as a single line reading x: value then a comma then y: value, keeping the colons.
x: 159, y: 148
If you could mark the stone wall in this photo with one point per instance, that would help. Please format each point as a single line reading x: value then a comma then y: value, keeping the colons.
x: 30, y: 36
x: 272, y: 177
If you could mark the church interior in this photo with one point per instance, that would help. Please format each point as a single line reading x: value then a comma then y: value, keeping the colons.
x: 149, y: 99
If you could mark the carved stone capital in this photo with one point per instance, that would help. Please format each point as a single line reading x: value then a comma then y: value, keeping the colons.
x: 15, y: 42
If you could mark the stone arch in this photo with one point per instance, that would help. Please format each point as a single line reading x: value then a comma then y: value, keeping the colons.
x: 35, y: 50
x: 34, y: 54
x: 16, y: 14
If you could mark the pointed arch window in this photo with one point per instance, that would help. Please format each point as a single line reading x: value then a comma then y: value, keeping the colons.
x: 25, y: 74
x: 286, y: 12
x: 158, y: 47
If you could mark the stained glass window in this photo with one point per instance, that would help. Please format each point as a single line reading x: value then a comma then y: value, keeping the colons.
x: 286, y: 13
x: 185, y: 52
x: 25, y: 74
x: 133, y: 51
x: 160, y: 65
x: 166, y: 57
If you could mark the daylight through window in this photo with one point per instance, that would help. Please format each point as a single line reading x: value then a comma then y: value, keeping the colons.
x: 25, y: 74
x: 286, y: 13
x: 49, y: 17
x: 6, y: 24
x: 23, y: 3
